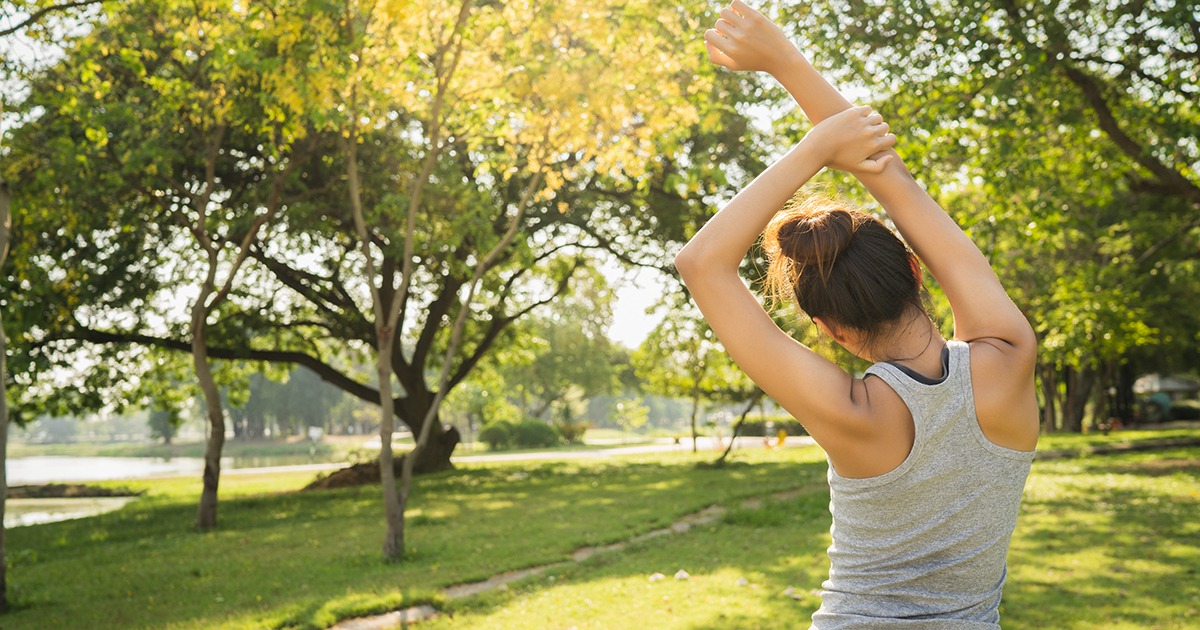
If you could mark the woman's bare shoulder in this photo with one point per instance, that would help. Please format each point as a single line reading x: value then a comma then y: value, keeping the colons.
x: 877, y: 438
x: 1005, y: 395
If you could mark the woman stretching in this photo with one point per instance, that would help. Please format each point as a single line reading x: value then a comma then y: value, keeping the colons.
x: 929, y: 451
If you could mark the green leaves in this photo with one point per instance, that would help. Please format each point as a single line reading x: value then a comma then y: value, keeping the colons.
x: 1062, y: 137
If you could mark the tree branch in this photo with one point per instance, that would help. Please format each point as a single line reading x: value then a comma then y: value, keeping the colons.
x: 498, y: 324
x: 1170, y: 177
x: 1092, y: 92
x: 304, y: 282
x: 327, y: 372
x: 433, y: 318
x: 43, y: 12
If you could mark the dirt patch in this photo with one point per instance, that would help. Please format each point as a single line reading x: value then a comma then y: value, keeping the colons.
x: 348, y: 477
x: 68, y: 491
x: 364, y: 474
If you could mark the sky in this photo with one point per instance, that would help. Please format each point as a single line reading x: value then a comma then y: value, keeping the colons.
x: 636, y: 292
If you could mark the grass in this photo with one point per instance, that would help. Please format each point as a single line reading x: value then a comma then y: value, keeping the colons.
x: 1109, y: 542
x: 1074, y: 442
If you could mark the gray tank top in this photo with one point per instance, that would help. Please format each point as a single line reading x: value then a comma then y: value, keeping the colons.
x: 924, y: 545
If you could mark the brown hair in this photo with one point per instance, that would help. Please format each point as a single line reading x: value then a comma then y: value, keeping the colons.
x: 842, y: 265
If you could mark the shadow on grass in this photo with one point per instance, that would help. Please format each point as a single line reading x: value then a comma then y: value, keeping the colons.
x: 300, y: 559
x: 1117, y: 546
x: 1107, y: 542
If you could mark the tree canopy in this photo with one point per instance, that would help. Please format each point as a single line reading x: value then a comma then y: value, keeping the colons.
x: 589, y: 107
x: 1063, y: 137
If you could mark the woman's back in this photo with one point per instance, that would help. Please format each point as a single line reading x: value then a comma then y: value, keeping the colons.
x: 924, y: 545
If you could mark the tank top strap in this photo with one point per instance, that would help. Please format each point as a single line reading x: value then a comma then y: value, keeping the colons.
x: 958, y: 367
x: 924, y: 396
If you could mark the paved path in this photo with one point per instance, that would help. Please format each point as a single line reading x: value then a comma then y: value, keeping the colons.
x: 662, y: 445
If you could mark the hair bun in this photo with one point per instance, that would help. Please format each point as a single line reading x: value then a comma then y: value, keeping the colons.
x: 842, y: 265
x: 816, y: 239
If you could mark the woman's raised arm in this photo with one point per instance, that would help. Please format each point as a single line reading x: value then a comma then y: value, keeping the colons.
x: 798, y: 379
x: 744, y: 39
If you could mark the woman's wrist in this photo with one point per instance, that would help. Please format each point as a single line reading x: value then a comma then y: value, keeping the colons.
x: 788, y: 61
x: 814, y: 145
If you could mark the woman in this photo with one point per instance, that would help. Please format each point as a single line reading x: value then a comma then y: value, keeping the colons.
x: 929, y: 451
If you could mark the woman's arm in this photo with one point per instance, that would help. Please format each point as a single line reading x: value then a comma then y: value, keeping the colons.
x: 794, y: 376
x: 744, y: 39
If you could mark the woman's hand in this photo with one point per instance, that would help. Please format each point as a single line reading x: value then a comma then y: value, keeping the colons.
x: 744, y: 39
x: 854, y: 141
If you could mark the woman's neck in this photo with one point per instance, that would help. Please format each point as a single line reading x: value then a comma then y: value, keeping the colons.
x: 918, y: 346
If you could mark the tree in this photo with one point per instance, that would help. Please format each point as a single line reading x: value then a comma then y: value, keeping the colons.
x: 16, y: 17
x: 629, y: 150
x: 562, y: 352
x: 506, y: 114
x: 287, y: 402
x: 1063, y: 136
x: 5, y: 230
x: 198, y: 100
x: 631, y: 414
x: 682, y: 358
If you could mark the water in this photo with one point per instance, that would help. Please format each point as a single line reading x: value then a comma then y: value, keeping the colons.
x: 24, y: 471
x: 69, y: 469
x: 21, y: 512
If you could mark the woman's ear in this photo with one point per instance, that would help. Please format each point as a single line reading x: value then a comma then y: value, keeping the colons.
x: 827, y: 329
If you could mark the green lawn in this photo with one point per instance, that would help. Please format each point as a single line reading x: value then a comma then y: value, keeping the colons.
x: 1103, y: 542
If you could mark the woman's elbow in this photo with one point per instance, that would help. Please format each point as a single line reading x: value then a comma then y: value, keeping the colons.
x: 688, y: 261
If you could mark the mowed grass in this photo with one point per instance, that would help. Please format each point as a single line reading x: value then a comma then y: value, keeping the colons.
x: 287, y: 559
x: 1103, y: 542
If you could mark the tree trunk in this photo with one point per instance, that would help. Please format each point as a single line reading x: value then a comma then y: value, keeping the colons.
x: 540, y: 411
x: 206, y: 514
x: 1050, y: 398
x: 442, y: 440
x: 3, y: 431
x: 5, y: 227
x: 695, y: 410
x: 393, y: 541
x: 1124, y: 400
x: 1079, y: 390
x: 435, y: 457
x: 737, y: 427
x: 1101, y: 407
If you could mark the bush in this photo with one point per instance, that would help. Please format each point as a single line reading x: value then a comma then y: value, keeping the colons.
x: 535, y: 434
x: 497, y: 435
x: 502, y: 434
x: 572, y: 432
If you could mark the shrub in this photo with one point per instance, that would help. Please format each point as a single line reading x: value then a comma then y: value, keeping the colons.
x: 497, y: 435
x: 571, y: 431
x: 502, y: 434
x: 535, y: 434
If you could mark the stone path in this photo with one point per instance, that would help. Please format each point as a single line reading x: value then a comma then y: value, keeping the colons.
x: 400, y: 618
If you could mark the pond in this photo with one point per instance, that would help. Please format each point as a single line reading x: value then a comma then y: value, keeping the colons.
x: 27, y: 471
x: 19, y: 512
x: 63, y: 468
